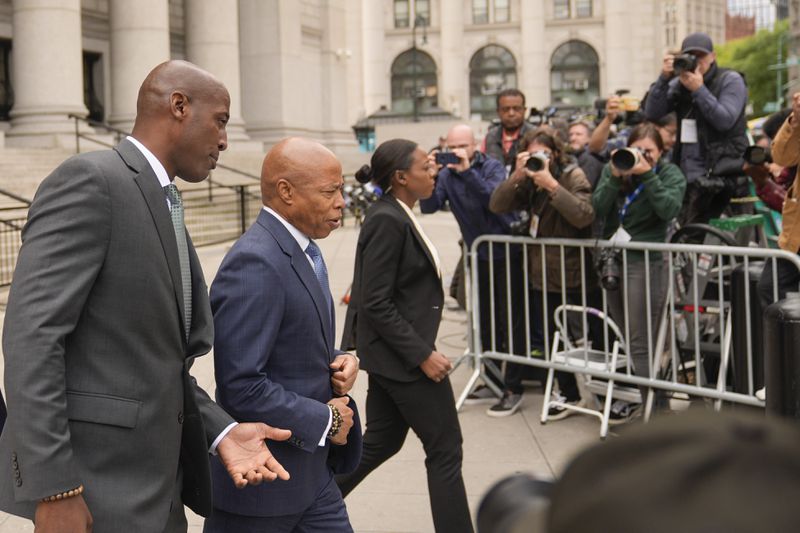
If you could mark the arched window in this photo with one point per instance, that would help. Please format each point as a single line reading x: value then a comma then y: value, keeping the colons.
x: 574, y: 74
x: 491, y: 70
x: 413, y: 75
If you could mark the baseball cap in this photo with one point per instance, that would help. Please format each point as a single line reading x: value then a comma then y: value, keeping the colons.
x: 697, y: 42
x: 700, y: 472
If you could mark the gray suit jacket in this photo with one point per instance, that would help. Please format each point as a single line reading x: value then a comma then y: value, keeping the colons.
x: 96, y: 360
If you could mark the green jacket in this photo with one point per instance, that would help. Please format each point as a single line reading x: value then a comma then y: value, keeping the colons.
x: 650, y: 213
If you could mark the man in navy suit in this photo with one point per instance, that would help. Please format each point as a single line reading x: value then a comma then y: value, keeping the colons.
x: 274, y: 351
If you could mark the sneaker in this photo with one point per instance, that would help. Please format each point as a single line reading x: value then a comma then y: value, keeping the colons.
x: 557, y: 412
x: 507, y: 406
x: 761, y: 394
x: 622, y: 412
x: 481, y: 394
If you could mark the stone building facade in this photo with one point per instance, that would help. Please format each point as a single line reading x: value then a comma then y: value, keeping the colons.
x: 315, y: 67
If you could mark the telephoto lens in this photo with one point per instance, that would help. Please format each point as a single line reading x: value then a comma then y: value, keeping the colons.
x: 625, y: 159
x: 536, y: 162
x: 757, y: 155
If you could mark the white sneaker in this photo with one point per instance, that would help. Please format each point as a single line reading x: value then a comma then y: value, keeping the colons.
x: 557, y: 412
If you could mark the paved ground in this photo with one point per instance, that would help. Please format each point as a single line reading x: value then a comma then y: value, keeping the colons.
x: 395, y: 497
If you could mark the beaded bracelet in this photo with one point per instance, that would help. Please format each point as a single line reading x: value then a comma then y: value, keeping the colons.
x: 64, y: 495
x: 336, y: 422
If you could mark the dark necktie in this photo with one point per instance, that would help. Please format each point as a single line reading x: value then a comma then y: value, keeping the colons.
x: 320, y: 270
x: 176, y: 213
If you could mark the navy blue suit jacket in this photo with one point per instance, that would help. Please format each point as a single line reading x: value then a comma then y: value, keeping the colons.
x: 274, y: 342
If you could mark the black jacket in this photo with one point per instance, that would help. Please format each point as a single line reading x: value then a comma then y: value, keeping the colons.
x: 396, y: 298
x: 494, y: 145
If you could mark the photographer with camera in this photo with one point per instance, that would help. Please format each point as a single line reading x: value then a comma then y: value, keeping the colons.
x: 710, y: 105
x: 770, y: 179
x: 466, y: 181
x: 638, y: 196
x: 503, y: 139
x: 548, y: 184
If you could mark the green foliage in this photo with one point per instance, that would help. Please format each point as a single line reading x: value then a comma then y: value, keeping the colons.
x: 751, y: 56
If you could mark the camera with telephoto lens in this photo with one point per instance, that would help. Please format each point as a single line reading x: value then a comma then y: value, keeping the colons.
x: 537, y: 161
x: 684, y: 63
x: 625, y: 159
x: 757, y: 155
x: 608, y: 266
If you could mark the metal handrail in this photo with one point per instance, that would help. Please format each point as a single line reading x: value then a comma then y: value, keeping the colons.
x: 122, y: 133
x: 16, y: 197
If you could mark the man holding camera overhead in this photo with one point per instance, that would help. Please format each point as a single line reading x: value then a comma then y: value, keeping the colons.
x: 710, y: 103
x: 467, y: 181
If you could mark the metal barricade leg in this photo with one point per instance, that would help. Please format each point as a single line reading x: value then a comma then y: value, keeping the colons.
x: 548, y: 388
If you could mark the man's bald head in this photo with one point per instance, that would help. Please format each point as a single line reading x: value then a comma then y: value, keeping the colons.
x: 182, y: 113
x: 169, y: 77
x: 302, y: 181
x: 462, y: 136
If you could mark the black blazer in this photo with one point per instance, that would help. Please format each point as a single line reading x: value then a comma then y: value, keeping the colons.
x: 396, y: 298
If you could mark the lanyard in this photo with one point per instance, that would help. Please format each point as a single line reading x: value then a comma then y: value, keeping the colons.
x: 628, y: 201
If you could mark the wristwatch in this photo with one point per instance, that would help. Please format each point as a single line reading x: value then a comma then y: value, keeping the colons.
x: 336, y: 422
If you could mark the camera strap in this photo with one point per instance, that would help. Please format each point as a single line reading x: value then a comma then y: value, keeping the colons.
x: 628, y: 201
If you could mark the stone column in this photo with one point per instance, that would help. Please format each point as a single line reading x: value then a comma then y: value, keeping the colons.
x: 619, y: 54
x: 139, y: 42
x: 375, y: 64
x: 533, y: 61
x: 454, y: 68
x: 336, y: 132
x: 212, y: 43
x: 47, y: 66
x: 263, y: 67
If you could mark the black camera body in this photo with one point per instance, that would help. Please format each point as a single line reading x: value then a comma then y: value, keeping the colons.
x: 757, y: 155
x: 608, y: 265
x: 446, y: 158
x: 684, y: 63
x: 521, y: 227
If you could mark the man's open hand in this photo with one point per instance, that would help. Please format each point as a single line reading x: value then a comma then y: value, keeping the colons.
x: 246, y: 456
x: 345, y: 368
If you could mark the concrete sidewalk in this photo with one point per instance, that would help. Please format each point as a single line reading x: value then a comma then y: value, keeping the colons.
x: 395, y: 497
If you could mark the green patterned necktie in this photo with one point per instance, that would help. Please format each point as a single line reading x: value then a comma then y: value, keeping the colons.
x: 176, y: 213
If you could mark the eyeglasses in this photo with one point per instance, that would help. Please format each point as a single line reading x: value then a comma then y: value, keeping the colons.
x: 506, y: 109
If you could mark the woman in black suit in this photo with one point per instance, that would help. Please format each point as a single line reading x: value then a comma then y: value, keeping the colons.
x: 393, y: 318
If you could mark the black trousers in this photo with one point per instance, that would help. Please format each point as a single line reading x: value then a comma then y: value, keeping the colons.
x: 429, y: 409
x: 701, y: 204
x: 499, y: 302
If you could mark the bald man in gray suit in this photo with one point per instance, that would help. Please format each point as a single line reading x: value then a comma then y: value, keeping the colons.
x: 107, y: 310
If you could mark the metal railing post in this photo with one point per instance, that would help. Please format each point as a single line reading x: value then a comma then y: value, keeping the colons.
x: 243, y: 208
x: 77, y: 136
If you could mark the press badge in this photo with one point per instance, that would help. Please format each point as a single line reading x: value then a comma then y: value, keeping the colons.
x: 688, y: 130
x: 534, y: 229
x: 620, y: 236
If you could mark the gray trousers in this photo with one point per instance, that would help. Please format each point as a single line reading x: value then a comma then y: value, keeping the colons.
x: 638, y: 313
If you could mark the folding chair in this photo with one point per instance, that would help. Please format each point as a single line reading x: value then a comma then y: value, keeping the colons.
x: 577, y: 358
